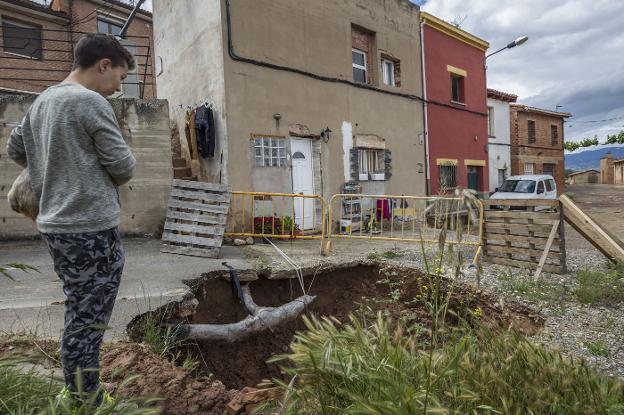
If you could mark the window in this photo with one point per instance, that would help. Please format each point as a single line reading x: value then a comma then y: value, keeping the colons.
x: 490, y: 115
x: 531, y: 130
x: 540, y: 187
x: 448, y: 175
x: 549, y: 169
x: 388, y: 69
x: 457, y: 88
x: 550, y: 185
x: 270, y: 151
x: 528, y: 168
x: 554, y: 135
x: 358, y: 58
x: 21, y: 39
x: 518, y: 186
x: 105, y: 26
x: 372, y: 165
x: 502, y: 175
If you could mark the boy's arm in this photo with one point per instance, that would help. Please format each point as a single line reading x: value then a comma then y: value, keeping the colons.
x: 15, y: 147
x: 112, y: 150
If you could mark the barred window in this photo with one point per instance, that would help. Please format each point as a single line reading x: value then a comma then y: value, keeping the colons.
x: 554, y: 135
x: 371, y: 164
x: 270, y: 151
x: 448, y: 175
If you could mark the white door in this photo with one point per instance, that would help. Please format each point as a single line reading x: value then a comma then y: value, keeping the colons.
x: 301, y: 159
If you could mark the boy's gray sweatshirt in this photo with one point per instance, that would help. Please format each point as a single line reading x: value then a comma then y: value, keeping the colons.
x: 76, y: 157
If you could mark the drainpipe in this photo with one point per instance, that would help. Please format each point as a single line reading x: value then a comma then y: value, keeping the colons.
x: 425, y: 119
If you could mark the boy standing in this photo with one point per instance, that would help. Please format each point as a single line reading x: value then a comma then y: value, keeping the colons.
x: 76, y: 156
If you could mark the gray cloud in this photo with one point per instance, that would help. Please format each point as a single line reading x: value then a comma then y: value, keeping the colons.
x: 574, y: 56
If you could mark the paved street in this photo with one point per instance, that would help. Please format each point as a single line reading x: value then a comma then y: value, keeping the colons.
x: 33, y: 303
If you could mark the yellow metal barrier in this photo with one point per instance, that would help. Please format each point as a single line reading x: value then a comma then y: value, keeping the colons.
x: 276, y: 215
x: 406, y: 218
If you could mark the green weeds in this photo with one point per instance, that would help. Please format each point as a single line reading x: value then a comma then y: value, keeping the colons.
x: 597, y: 287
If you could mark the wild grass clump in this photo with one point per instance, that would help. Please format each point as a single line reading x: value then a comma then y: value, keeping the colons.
x: 598, y: 287
x: 542, y: 289
x: 361, y: 368
x: 32, y: 393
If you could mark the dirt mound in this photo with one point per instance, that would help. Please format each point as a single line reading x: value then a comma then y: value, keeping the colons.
x: 339, y: 293
x: 182, y: 393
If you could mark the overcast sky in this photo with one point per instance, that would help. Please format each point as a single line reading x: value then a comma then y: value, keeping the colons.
x: 574, y: 56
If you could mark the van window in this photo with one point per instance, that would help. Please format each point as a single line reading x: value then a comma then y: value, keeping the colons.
x: 540, y: 187
x: 549, y: 185
x: 518, y: 186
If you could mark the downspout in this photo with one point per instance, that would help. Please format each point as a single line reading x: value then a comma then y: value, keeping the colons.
x: 425, y: 119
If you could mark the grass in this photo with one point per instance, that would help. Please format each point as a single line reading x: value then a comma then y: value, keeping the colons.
x: 598, y: 287
x: 598, y: 348
x: 374, y: 368
x: 543, y: 289
x: 389, y: 254
x: 31, y: 393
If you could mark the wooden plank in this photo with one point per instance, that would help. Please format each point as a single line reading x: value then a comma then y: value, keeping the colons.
x: 185, y: 250
x: 556, y: 269
x: 189, y: 184
x: 193, y: 240
x: 209, y: 230
x: 197, y: 217
x: 589, y: 229
x: 521, y: 202
x: 542, y: 261
x: 219, y: 209
x: 518, y: 250
x: 525, y: 235
x: 518, y: 227
x: 200, y: 195
x: 517, y: 239
x: 519, y: 214
x: 562, y: 247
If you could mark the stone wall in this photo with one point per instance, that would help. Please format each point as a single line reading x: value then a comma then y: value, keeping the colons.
x: 145, y: 127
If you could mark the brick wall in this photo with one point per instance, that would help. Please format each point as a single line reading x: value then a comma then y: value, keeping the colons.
x: 58, y: 40
x: 542, y: 151
x: 364, y: 40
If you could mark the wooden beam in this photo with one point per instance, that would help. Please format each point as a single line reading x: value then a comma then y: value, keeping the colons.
x: 542, y: 261
x: 591, y: 231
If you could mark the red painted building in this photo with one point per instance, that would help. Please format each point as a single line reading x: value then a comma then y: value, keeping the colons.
x: 456, y: 127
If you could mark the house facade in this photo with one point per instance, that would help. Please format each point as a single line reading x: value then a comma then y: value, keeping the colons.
x: 537, y: 142
x: 607, y: 169
x: 499, y: 137
x: 618, y: 172
x: 591, y: 176
x: 307, y: 95
x: 37, y: 41
x: 456, y: 110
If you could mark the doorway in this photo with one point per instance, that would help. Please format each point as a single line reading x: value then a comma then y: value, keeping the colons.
x: 302, y: 181
x: 473, y: 178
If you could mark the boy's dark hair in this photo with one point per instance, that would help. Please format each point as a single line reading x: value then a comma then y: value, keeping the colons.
x: 95, y: 46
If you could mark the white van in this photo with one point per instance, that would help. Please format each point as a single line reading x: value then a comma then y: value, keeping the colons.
x: 527, y: 186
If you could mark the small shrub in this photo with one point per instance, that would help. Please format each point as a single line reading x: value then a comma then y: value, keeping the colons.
x: 598, y: 348
x: 598, y: 287
x: 542, y: 289
x: 275, y: 225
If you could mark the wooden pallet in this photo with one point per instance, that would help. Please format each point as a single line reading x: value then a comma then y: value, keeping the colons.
x: 196, y: 218
x: 525, y: 238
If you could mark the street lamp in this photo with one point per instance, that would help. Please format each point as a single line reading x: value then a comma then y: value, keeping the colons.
x: 513, y: 44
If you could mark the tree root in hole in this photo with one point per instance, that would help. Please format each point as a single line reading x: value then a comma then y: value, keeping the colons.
x: 262, y: 318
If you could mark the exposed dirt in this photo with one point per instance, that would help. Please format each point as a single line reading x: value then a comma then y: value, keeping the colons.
x: 181, y: 392
x: 339, y: 293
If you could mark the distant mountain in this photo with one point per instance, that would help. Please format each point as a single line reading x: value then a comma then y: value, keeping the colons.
x: 589, y: 157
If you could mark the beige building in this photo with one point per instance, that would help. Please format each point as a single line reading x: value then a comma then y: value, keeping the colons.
x: 607, y: 169
x: 618, y: 172
x: 591, y: 176
x: 307, y: 95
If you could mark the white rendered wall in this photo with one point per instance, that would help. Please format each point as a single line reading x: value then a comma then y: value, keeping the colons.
x: 499, y: 150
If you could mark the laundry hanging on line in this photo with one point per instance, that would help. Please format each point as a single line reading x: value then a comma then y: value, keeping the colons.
x: 205, y: 131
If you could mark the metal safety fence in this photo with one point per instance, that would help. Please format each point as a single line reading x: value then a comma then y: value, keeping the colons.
x: 419, y: 219
x: 277, y: 215
x: 407, y: 218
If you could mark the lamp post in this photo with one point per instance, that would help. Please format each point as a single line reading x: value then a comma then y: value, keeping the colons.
x: 513, y: 44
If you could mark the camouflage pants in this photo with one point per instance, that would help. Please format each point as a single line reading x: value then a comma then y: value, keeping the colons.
x: 90, y: 266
